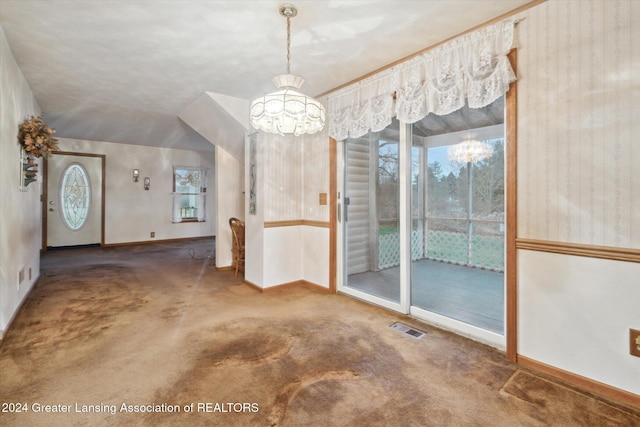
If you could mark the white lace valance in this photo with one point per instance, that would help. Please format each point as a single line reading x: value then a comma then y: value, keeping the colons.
x: 472, y: 68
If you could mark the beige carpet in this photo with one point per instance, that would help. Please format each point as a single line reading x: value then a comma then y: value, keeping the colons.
x: 148, y: 335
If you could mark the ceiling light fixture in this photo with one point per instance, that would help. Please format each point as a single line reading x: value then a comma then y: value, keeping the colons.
x: 469, y: 150
x: 287, y: 111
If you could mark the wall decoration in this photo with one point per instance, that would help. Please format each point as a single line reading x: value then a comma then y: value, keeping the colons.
x: 37, y: 138
x: 28, y: 170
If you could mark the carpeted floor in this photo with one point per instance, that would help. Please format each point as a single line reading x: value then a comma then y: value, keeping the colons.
x: 149, y: 335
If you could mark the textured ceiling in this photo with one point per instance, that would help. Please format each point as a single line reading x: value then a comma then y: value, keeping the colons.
x: 115, y: 70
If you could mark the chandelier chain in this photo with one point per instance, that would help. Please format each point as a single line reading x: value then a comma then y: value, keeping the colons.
x: 288, y: 45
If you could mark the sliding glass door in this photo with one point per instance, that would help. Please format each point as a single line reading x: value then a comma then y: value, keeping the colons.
x: 458, y: 227
x: 452, y: 271
x: 371, y: 218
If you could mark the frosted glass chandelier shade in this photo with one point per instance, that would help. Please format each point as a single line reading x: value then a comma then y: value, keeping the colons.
x: 469, y: 150
x: 287, y: 111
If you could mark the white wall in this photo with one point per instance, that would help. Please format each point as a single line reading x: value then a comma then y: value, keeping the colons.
x: 578, y: 182
x: 282, y: 255
x: 575, y: 314
x: 20, y: 212
x: 294, y: 253
x: 132, y: 213
x: 229, y: 202
x: 315, y: 255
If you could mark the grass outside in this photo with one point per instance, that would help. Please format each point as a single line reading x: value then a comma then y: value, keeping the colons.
x: 383, y: 230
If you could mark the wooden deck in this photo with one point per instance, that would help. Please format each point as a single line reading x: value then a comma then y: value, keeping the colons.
x: 470, y: 295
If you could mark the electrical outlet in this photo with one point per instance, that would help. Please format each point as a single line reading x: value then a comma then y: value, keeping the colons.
x: 634, y: 342
x: 153, y: 234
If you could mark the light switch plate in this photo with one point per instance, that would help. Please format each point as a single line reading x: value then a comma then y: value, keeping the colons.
x: 634, y: 342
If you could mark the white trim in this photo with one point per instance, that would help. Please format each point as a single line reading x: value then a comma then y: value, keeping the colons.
x: 473, y: 332
x: 404, y: 212
x: 371, y: 299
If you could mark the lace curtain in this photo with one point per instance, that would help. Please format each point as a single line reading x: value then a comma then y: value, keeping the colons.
x: 472, y: 68
x: 175, y: 207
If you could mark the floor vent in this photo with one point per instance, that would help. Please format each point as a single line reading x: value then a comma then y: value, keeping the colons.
x: 413, y: 333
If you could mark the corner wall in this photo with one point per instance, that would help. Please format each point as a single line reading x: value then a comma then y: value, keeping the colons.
x: 20, y: 212
x: 288, y: 237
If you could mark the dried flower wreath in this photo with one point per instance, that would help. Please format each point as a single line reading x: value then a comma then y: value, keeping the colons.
x: 37, y: 138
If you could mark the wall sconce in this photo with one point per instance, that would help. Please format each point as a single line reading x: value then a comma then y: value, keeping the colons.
x: 136, y: 175
x: 147, y: 182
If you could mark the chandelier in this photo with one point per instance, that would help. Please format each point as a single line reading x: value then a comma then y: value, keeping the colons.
x: 287, y: 111
x: 469, y: 150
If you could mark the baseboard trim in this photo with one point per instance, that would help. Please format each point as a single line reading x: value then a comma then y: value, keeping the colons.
x: 147, y: 242
x: 297, y: 222
x: 5, y: 332
x: 603, y: 390
x: 311, y: 285
x: 253, y: 285
x: 316, y: 287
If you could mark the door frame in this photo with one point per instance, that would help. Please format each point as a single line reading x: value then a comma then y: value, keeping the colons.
x: 44, y: 196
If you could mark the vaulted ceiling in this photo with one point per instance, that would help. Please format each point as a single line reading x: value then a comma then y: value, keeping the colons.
x: 124, y: 71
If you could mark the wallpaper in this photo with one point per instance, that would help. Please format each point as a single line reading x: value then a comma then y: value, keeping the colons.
x: 316, y: 176
x: 578, y: 122
x: 283, y: 175
x: 296, y: 171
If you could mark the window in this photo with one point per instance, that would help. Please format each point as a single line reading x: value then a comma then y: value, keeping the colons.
x: 189, y: 188
x: 75, y: 196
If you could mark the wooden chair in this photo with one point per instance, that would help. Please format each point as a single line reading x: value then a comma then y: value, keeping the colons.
x: 237, y: 248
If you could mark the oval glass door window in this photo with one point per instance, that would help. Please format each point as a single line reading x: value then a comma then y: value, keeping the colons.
x: 75, y: 196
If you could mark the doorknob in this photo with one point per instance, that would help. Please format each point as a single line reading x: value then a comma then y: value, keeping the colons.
x: 51, y: 209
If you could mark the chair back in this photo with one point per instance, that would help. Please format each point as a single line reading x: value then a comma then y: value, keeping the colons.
x: 237, y: 229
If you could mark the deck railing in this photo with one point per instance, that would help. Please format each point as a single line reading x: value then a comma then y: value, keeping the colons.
x: 472, y: 242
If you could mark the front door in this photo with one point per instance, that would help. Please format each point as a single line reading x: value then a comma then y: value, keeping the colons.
x: 74, y: 200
